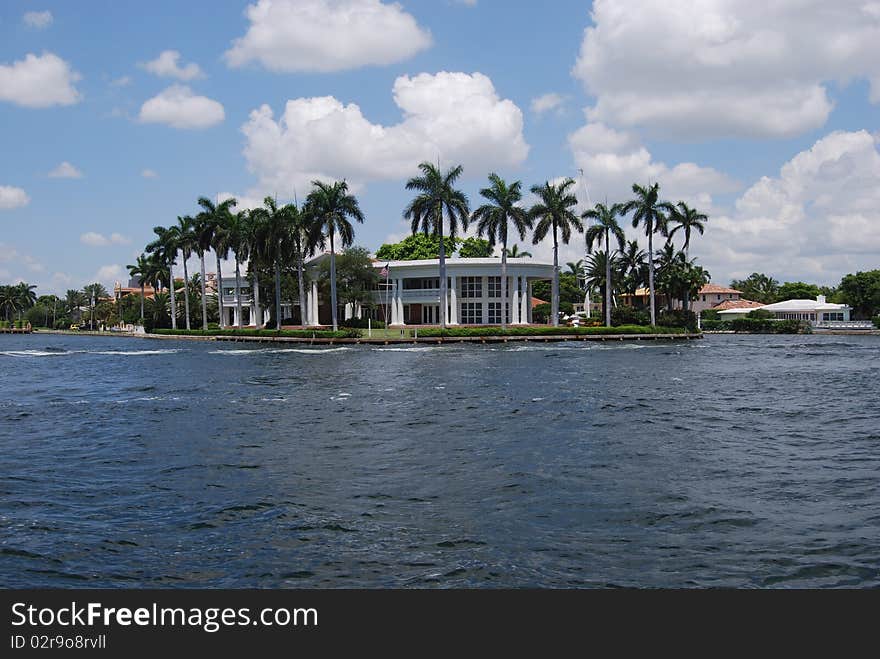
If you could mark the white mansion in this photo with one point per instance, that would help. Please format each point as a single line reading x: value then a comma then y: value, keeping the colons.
x: 409, y: 294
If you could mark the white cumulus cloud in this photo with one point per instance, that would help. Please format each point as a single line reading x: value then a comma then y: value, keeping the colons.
x: 65, y: 170
x: 716, y: 68
x: 94, y: 239
x: 12, y: 197
x: 166, y: 65
x: 547, y: 102
x: 110, y: 274
x: 456, y: 116
x: 179, y: 107
x: 288, y: 36
x: 149, y: 173
x: 818, y: 219
x: 38, y: 19
x: 39, y: 81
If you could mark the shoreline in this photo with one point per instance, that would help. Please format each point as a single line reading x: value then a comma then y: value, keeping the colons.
x: 434, y: 340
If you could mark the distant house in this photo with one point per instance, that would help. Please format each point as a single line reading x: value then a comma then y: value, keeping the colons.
x: 816, y: 312
x: 709, y: 297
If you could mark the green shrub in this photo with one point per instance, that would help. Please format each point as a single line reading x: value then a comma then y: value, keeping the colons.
x: 710, y: 314
x: 541, y: 312
x: 363, y: 323
x: 760, y: 314
x: 877, y: 322
x: 626, y: 315
x: 345, y: 333
x: 716, y: 325
x: 546, y: 331
x: 213, y: 326
x: 793, y: 327
x: 678, y: 318
x: 768, y: 326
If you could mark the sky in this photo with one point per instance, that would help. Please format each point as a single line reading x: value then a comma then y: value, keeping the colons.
x: 116, y: 116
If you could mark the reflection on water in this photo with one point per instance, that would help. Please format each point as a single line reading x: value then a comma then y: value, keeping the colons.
x: 731, y: 461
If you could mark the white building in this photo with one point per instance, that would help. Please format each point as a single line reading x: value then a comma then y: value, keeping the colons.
x: 817, y: 312
x: 409, y: 294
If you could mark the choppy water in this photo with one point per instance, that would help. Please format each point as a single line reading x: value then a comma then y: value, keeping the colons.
x: 731, y: 461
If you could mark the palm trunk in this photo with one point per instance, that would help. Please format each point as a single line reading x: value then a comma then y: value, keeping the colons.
x: 333, y: 282
x: 186, y: 290
x: 204, y: 292
x: 505, y: 303
x: 685, y: 298
x: 607, y: 280
x: 302, y: 292
x: 278, y: 294
x: 443, y: 293
x: 238, y: 289
x: 554, y: 290
x: 258, y: 312
x: 651, y: 275
x: 173, y: 301
x: 142, y: 302
x: 219, y: 293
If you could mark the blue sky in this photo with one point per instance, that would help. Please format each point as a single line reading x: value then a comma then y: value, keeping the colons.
x: 763, y: 118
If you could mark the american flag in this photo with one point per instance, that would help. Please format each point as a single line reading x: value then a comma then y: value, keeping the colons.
x: 384, y: 271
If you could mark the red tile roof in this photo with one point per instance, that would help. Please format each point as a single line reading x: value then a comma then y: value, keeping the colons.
x: 715, y: 288
x: 536, y: 301
x: 736, y: 304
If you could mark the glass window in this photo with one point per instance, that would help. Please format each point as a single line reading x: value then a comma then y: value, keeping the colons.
x: 228, y: 291
x: 471, y: 287
x: 494, y: 286
x: 494, y: 312
x: 471, y: 313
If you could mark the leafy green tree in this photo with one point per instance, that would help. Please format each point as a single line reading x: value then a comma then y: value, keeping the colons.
x: 438, y: 202
x: 475, y: 248
x: 356, y: 277
x: 797, y: 290
x: 331, y: 207
x: 570, y: 290
x: 416, y: 247
x: 553, y: 214
x: 651, y: 213
x: 604, y: 225
x: 757, y: 287
x: 93, y: 294
x: 861, y: 291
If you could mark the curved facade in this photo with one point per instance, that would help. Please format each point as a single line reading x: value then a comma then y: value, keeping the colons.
x: 410, y: 291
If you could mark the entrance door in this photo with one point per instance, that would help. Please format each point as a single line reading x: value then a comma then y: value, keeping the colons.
x: 430, y: 314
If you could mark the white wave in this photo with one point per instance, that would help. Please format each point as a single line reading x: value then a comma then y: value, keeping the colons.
x: 34, y: 353
x: 260, y: 351
x: 413, y: 349
x: 131, y: 352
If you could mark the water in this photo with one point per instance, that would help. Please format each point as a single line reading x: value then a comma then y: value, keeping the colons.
x: 731, y: 461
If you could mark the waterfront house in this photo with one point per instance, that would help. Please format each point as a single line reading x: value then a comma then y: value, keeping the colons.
x: 818, y: 312
x: 409, y: 294
x: 710, y: 296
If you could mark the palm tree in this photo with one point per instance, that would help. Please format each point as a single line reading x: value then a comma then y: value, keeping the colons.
x: 93, y: 294
x: 271, y: 234
x: 600, y: 272
x: 553, y: 212
x: 140, y: 269
x: 187, y: 242
x: 252, y: 239
x: 23, y: 297
x: 305, y: 236
x: 515, y: 253
x: 8, y: 300
x: 330, y: 206
x: 437, y: 196
x: 237, y: 240
x: 604, y: 226
x: 687, y: 219
x: 165, y: 250
x: 73, y: 301
x: 492, y: 219
x: 575, y: 268
x: 213, y: 234
x: 649, y: 211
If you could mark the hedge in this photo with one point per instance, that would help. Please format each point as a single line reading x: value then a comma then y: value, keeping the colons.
x: 877, y: 322
x: 767, y: 326
x: 710, y: 325
x: 300, y: 334
x: 547, y: 331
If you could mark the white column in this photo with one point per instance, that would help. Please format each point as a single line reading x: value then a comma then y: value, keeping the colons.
x: 400, y: 318
x: 313, y: 306
x: 453, y: 301
x: 358, y: 310
x: 306, y: 312
x: 348, y: 311
x: 514, y: 303
x: 525, y: 302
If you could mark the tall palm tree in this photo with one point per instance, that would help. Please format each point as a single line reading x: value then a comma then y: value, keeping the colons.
x: 25, y: 296
x: 187, y: 243
x: 165, y: 249
x: 600, y: 272
x: 237, y: 241
x: 575, y: 268
x: 437, y: 197
x: 271, y: 234
x: 93, y: 294
x: 213, y: 234
x: 649, y: 211
x: 9, y: 300
x: 252, y: 239
x: 634, y: 267
x: 515, y: 253
x: 305, y: 237
x: 330, y: 206
x: 492, y: 220
x: 553, y: 213
x: 604, y: 226
x: 73, y: 301
x: 140, y: 269
x: 686, y: 219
